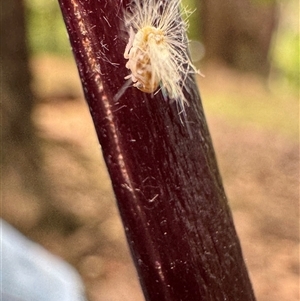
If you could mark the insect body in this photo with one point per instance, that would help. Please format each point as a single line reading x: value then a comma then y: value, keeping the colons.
x: 139, y: 61
x: 157, y: 48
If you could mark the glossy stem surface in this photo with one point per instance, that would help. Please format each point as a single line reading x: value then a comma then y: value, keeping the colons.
x: 162, y: 167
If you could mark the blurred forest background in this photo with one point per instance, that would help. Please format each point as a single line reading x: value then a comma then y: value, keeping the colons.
x: 55, y: 187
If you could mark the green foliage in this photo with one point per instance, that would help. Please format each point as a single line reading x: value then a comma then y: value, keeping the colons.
x: 285, y: 52
x: 194, y: 30
x: 45, y: 27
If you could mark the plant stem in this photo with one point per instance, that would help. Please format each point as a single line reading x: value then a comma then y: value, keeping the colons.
x: 162, y: 167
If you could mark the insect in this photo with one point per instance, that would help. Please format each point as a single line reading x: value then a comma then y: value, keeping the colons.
x: 157, y: 51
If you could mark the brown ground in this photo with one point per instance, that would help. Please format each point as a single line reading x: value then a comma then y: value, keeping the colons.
x: 259, y: 170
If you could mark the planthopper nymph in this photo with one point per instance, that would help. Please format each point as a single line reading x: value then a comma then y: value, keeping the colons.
x: 157, y: 50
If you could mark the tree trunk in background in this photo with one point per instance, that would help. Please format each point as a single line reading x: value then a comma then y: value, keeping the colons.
x: 239, y: 32
x: 18, y: 140
x: 26, y: 196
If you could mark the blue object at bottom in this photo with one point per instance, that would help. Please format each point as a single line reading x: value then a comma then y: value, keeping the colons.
x: 31, y: 273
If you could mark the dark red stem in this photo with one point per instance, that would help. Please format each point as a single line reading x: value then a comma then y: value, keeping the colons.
x: 163, y: 169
